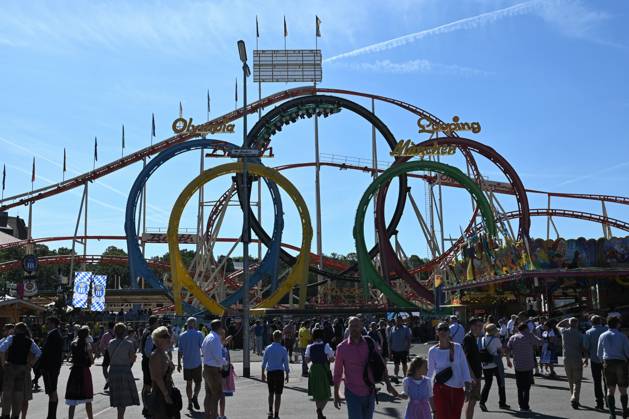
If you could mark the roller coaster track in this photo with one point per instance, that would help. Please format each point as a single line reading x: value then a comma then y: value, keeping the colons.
x: 50, y: 190
x: 20, y: 243
x: 593, y: 197
x: 79, y: 259
x: 331, y: 263
x: 157, y: 238
x: 580, y: 215
x: 41, y: 193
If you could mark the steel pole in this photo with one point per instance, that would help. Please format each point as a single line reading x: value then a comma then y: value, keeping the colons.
x: 246, y: 361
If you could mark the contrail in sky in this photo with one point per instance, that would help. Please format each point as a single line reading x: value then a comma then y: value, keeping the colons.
x: 461, y: 24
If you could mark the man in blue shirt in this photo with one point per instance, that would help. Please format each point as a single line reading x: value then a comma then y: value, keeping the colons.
x: 400, y: 344
x: 190, y: 350
x: 213, y: 361
x: 596, y: 364
x: 457, y: 332
x: 275, y: 363
x: 613, y: 350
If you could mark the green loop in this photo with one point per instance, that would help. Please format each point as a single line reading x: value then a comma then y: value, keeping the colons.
x: 368, y: 273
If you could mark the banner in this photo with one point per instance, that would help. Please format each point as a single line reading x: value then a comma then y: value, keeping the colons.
x: 81, y: 289
x: 99, y: 287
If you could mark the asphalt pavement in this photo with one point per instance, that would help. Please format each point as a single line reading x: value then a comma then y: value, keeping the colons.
x: 549, y: 397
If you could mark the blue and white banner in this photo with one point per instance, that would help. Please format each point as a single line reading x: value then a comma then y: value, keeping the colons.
x: 81, y: 289
x: 99, y: 287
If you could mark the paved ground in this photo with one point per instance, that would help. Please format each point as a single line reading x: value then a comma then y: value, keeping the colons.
x: 549, y: 398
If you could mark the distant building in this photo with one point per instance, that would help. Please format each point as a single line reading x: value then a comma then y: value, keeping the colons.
x: 12, y: 228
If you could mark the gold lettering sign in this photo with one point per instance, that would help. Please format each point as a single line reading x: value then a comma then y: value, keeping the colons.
x: 429, y: 126
x: 182, y: 125
x: 406, y: 148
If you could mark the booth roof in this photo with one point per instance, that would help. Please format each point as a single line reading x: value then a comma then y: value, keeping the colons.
x: 8, y: 300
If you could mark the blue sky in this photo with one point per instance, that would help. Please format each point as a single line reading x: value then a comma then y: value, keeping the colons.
x: 546, y: 80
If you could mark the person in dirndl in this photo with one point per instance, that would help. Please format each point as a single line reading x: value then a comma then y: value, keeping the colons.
x: 122, y: 389
x: 320, y: 378
x: 418, y: 390
x: 80, y: 389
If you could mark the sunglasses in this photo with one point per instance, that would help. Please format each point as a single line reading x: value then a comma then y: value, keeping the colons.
x: 443, y: 329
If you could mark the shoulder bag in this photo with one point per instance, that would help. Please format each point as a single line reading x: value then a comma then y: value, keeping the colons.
x: 445, y: 374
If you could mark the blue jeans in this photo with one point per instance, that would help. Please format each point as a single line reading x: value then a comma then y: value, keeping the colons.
x: 359, y: 407
x: 259, y: 344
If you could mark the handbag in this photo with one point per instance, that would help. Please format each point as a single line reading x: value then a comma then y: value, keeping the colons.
x: 445, y: 374
x: 173, y: 409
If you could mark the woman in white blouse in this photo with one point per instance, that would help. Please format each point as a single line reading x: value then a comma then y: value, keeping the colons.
x: 447, y: 367
x: 491, y: 342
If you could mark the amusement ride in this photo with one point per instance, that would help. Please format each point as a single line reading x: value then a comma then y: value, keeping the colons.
x: 494, y: 258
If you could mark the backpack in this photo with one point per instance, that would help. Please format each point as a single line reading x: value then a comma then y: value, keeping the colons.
x: 145, y: 336
x: 375, y: 363
x: 485, y: 356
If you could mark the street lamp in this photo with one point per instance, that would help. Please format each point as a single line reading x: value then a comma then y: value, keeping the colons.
x: 246, y: 361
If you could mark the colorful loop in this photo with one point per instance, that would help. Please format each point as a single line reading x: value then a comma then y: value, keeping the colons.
x: 181, y: 277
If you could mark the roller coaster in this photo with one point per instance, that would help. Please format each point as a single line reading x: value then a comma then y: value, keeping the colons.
x: 383, y: 272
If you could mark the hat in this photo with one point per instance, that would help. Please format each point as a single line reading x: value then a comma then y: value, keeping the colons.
x: 491, y: 329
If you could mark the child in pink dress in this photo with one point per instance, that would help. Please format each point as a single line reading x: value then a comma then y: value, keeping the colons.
x: 418, y: 391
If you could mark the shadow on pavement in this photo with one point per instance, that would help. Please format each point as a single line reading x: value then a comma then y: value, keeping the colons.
x: 195, y: 415
x: 286, y: 386
x: 389, y: 411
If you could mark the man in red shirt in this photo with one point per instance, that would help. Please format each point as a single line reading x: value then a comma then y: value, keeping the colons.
x: 352, y: 356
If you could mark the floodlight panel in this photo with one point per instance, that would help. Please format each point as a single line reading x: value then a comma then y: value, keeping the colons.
x: 292, y: 65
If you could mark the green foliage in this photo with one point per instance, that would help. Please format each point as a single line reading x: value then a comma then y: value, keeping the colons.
x: 116, y: 274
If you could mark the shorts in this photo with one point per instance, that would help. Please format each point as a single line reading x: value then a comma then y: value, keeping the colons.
x: 193, y: 374
x: 398, y: 357
x: 146, y: 372
x: 17, y: 379
x: 213, y: 381
x: 275, y: 381
x: 616, y: 372
x: 475, y: 391
x: 51, y: 377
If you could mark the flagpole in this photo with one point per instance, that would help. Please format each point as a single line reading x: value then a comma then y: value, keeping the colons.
x: 95, y: 153
x: 259, y: 179
x: 200, y: 215
x: 29, y: 249
x: 317, y: 174
x: 4, y: 179
x: 85, y: 227
x: 285, y: 35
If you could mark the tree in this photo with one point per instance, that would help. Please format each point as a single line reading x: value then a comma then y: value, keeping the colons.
x: 114, y: 272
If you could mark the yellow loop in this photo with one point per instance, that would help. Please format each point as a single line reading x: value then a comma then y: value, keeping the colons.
x: 181, y: 277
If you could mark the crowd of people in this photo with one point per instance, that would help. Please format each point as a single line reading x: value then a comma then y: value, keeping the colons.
x: 456, y: 375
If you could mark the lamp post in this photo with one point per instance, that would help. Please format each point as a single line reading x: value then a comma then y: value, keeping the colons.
x: 246, y: 361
